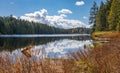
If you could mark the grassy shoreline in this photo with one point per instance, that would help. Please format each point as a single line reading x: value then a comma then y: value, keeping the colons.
x: 106, y: 34
x: 107, y: 53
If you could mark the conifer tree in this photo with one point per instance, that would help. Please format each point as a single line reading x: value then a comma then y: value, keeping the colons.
x: 114, y: 16
x: 101, y: 18
x: 93, y: 13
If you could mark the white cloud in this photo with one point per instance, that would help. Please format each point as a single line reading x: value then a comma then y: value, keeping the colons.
x: 38, y: 16
x: 80, y: 3
x: 14, y: 16
x: 61, y: 22
x: 65, y: 11
x: 84, y: 17
x: 59, y: 47
x: 63, y: 15
x: 55, y: 20
x: 89, y: 26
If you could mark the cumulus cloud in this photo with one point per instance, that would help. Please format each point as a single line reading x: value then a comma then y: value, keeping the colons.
x: 65, y: 11
x: 37, y: 16
x: 14, y: 16
x: 56, y: 20
x: 80, y: 3
x: 59, y: 21
x: 84, y: 17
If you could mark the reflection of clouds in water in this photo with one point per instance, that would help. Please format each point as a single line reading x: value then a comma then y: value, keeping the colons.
x: 59, y: 48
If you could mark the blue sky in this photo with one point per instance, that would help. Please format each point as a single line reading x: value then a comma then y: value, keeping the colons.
x: 21, y: 7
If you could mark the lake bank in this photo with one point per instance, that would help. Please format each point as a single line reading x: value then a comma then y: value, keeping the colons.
x: 107, y: 52
x: 106, y: 34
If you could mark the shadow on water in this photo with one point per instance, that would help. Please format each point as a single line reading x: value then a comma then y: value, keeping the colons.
x: 13, y: 43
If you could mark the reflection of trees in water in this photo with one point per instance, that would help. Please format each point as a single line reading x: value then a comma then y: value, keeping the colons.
x: 10, y: 44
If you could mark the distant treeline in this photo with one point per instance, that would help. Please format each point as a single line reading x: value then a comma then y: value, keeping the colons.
x: 107, y: 17
x: 10, y: 25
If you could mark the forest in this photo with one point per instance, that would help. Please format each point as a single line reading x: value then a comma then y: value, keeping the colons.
x: 106, y: 17
x: 11, y: 25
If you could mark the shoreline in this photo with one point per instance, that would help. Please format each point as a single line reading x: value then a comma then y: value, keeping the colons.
x: 106, y: 34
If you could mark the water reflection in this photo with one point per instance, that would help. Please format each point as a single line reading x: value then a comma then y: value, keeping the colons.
x: 43, y: 47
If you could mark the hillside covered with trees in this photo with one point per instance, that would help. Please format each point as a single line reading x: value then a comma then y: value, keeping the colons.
x: 11, y: 25
x: 107, y: 17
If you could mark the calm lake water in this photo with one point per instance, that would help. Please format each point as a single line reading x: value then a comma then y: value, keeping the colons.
x: 42, y: 46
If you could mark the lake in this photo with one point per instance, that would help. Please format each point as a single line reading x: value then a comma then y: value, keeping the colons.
x: 43, y: 46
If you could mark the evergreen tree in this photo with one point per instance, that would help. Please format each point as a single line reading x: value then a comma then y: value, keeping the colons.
x: 93, y: 13
x: 101, y: 23
x: 114, y: 16
x: 108, y: 6
x: 101, y: 18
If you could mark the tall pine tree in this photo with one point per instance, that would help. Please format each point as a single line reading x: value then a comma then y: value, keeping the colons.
x: 114, y: 16
x: 101, y: 23
x: 101, y: 18
x: 93, y: 13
